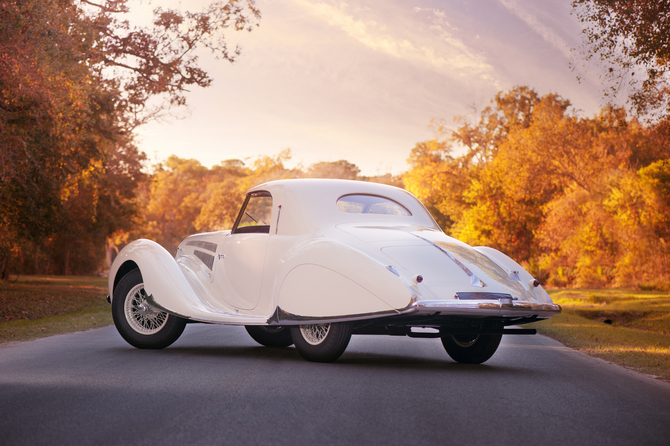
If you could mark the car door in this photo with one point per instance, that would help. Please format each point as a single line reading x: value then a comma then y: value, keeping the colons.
x: 241, y: 256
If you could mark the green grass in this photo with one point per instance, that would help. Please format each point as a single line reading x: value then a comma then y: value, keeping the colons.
x: 33, y: 307
x: 625, y: 327
x: 26, y: 329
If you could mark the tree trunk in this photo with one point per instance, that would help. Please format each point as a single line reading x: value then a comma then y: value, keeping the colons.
x: 37, y: 259
x: 67, y: 260
x: 4, y: 273
x: 108, y: 253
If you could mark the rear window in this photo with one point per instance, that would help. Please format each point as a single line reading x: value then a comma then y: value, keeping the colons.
x: 371, y: 204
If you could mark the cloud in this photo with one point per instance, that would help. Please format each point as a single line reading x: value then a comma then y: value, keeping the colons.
x: 411, y: 42
x: 548, y: 34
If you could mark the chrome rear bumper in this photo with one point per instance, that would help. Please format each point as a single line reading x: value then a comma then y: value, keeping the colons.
x: 484, y: 307
x: 504, y: 308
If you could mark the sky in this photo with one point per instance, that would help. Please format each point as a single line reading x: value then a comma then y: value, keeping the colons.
x: 362, y: 80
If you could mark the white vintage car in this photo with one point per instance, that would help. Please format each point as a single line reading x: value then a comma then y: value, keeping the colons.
x: 311, y: 262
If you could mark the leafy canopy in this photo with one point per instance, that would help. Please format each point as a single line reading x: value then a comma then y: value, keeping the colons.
x: 630, y: 37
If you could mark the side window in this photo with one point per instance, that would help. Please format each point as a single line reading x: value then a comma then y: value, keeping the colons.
x: 255, y: 214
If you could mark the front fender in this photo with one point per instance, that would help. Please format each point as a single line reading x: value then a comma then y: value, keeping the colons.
x: 163, y: 279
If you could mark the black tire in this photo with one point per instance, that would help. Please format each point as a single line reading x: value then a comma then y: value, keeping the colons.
x: 270, y: 336
x: 471, y: 349
x: 140, y: 325
x: 326, y: 342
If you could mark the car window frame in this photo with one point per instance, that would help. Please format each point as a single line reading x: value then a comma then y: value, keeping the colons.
x: 409, y: 213
x: 256, y: 229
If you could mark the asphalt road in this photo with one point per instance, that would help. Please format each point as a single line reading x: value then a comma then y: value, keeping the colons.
x: 216, y: 386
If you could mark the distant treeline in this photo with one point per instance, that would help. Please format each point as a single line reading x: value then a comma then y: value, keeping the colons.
x: 179, y: 197
x: 579, y: 201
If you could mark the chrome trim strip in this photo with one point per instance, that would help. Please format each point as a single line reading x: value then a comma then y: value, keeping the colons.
x: 393, y: 270
x: 483, y: 295
x: 281, y: 317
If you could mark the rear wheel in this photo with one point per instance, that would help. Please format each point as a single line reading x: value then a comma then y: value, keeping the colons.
x: 140, y: 324
x: 322, y: 342
x: 270, y: 336
x: 471, y: 349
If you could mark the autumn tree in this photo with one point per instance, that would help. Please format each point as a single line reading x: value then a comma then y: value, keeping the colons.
x: 269, y: 168
x: 76, y: 79
x: 222, y: 197
x: 582, y: 201
x: 159, y: 62
x: 49, y: 112
x: 473, y: 196
x: 341, y: 169
x: 54, y: 118
x: 185, y: 197
x: 172, y: 201
x: 512, y: 109
x: 437, y: 179
x: 555, y: 157
x: 630, y: 38
x: 615, y: 234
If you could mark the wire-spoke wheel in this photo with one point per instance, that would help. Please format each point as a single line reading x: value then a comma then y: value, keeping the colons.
x: 322, y: 342
x: 140, y: 324
x: 142, y: 317
x: 270, y: 336
x: 315, y: 334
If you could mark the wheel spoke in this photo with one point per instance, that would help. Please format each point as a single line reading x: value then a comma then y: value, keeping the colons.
x: 314, y: 334
x: 143, y: 318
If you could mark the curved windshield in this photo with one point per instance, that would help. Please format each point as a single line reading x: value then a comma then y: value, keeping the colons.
x: 255, y: 214
x: 371, y: 204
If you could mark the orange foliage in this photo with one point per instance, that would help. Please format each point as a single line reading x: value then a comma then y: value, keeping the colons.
x: 582, y: 201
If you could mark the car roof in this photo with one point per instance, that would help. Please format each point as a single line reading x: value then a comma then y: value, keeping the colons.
x: 313, y: 203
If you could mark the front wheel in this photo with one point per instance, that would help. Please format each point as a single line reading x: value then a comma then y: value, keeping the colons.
x: 471, y: 349
x: 270, y: 336
x: 322, y: 342
x: 140, y: 324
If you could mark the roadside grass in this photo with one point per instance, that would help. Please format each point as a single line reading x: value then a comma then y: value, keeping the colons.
x: 33, y: 307
x: 625, y: 327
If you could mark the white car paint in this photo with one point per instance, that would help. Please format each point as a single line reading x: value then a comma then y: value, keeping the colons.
x: 318, y: 263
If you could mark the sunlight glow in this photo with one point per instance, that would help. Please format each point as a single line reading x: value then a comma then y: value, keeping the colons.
x: 647, y: 350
